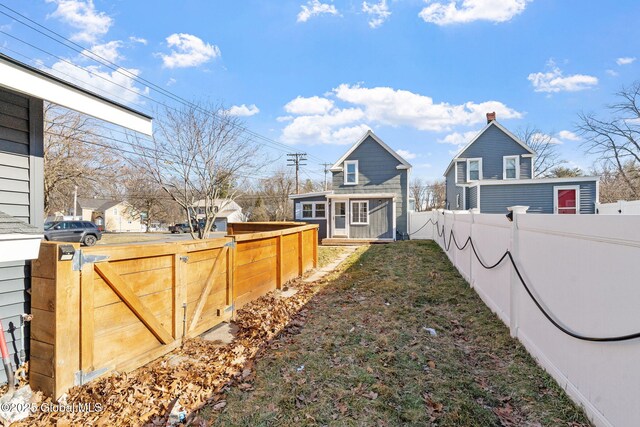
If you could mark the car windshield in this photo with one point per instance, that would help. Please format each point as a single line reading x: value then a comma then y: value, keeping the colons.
x: 48, y: 225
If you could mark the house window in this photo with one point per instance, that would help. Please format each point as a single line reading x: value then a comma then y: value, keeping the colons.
x: 510, y: 167
x: 320, y: 210
x: 474, y: 169
x: 457, y: 201
x: 313, y: 210
x: 307, y: 210
x: 360, y: 212
x: 351, y: 172
x: 567, y: 199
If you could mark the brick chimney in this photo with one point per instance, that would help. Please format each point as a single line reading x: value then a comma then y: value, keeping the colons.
x: 491, y: 117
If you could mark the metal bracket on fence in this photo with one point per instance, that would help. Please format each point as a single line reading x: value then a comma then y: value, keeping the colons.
x: 84, y: 377
x: 231, y: 244
x: 80, y: 259
x: 230, y: 308
x: 184, y: 258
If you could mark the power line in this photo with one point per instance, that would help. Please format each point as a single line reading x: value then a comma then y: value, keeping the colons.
x: 326, y: 170
x: 121, y: 70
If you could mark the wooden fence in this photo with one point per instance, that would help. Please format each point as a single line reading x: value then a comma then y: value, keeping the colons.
x: 119, y: 307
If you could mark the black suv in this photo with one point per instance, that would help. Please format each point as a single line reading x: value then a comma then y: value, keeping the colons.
x: 84, y: 232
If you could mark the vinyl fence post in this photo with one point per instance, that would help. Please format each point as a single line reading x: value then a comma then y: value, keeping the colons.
x: 514, y: 283
x: 472, y: 212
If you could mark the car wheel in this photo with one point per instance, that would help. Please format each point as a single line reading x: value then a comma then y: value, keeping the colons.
x: 90, y: 240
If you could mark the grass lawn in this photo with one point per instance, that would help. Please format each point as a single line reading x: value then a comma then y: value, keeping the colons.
x: 327, y: 254
x: 359, y: 354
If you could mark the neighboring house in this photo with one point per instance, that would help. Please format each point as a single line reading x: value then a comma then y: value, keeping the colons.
x: 23, y: 90
x: 495, y: 171
x: 369, y: 199
x: 226, y: 211
x: 110, y: 215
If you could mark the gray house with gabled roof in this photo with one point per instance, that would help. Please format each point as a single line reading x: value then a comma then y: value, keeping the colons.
x: 369, y: 198
x: 494, y: 171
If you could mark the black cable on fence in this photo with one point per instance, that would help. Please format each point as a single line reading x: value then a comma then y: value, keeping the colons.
x: 507, y: 254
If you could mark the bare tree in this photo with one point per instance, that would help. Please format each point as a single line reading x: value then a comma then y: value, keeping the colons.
x: 199, y: 153
x: 74, y: 155
x: 436, y: 194
x: 419, y: 191
x: 616, y: 138
x: 547, y: 156
x: 613, y: 185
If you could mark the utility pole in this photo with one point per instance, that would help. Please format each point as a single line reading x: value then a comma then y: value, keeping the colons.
x: 296, y: 159
x: 326, y: 169
x: 75, y: 201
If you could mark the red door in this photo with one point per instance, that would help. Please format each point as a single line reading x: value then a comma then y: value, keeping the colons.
x: 567, y: 201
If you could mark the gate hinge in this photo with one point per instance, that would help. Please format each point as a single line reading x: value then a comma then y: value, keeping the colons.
x: 184, y: 258
x: 80, y: 259
x: 231, y: 244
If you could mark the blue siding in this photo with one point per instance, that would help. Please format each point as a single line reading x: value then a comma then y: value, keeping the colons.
x: 525, y: 168
x: 491, y: 146
x: 380, y: 221
x: 472, y: 201
x: 322, y: 223
x: 451, y: 190
x: 461, y: 167
x: 538, y: 196
x: 377, y: 173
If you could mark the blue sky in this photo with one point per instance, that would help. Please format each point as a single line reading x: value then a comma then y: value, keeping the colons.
x: 315, y: 74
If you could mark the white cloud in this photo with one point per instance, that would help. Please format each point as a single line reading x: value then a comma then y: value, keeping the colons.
x: 393, y: 107
x: 554, y: 81
x: 340, y: 126
x: 243, y: 110
x: 171, y: 81
x: 458, y: 138
x: 95, y: 79
x: 567, y: 135
x: 379, y: 12
x: 313, y: 8
x: 189, y: 51
x: 311, y: 105
x: 464, y: 11
x: 138, y: 40
x: 625, y: 60
x: 83, y: 16
x: 108, y: 51
x: 406, y: 154
x: 319, y: 120
x: 544, y: 138
x: 612, y: 73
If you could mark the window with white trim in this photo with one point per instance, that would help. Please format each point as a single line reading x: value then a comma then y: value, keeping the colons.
x: 511, y: 167
x: 312, y: 210
x: 474, y: 169
x: 360, y: 212
x: 457, y: 201
x: 350, y: 172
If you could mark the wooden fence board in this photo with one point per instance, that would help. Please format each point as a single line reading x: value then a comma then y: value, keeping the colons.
x: 128, y: 310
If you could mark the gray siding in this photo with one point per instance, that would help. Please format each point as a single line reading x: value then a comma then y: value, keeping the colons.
x: 459, y: 192
x: 451, y: 190
x: 538, y: 196
x: 22, y: 196
x: 472, y: 201
x: 322, y: 223
x: 380, y: 221
x: 461, y: 167
x: 377, y: 173
x: 492, y: 145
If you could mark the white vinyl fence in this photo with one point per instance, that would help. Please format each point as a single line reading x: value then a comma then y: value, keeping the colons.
x: 584, y: 270
x: 621, y: 207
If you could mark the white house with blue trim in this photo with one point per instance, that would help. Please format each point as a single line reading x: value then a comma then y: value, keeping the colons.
x: 494, y: 171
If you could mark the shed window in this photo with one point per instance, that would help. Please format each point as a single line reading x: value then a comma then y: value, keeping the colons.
x: 360, y: 212
x: 307, y: 210
x: 511, y: 167
x: 474, y: 169
x: 351, y: 172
